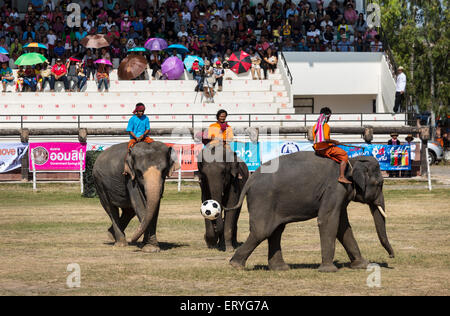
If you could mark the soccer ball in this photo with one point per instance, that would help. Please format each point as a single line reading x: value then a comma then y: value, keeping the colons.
x: 210, y: 209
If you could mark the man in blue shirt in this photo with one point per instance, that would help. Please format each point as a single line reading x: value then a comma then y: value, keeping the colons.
x: 138, y: 128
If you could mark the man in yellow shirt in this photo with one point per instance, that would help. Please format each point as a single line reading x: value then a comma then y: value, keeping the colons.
x: 220, y: 131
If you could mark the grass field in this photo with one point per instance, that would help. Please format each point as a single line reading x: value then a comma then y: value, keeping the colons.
x: 42, y: 232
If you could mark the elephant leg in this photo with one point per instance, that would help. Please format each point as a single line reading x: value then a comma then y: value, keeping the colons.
x: 124, y: 220
x: 230, y: 227
x: 113, y: 213
x: 328, y: 221
x: 150, y: 241
x: 276, y: 261
x: 346, y: 238
x: 211, y: 237
x: 243, y: 252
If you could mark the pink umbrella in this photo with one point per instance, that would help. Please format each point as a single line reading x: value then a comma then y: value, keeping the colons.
x: 155, y: 43
x: 3, y: 58
x: 103, y: 61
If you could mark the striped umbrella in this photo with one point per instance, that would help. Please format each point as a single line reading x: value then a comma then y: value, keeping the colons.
x: 240, y: 62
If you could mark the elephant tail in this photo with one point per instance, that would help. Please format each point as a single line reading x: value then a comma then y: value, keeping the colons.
x: 241, y: 197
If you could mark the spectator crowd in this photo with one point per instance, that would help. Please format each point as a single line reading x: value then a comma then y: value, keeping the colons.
x: 210, y: 29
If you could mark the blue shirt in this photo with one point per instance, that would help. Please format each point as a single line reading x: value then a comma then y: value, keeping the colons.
x: 138, y: 125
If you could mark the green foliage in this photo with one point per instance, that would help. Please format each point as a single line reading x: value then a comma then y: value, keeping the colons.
x: 88, y: 179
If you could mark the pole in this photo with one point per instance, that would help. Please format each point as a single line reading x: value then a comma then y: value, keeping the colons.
x: 33, y: 168
x: 179, y: 170
x: 81, y: 171
x: 428, y: 167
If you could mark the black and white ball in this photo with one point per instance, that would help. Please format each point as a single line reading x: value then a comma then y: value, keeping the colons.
x: 210, y: 209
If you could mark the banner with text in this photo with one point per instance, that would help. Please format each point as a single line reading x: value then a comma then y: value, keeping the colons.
x: 57, y: 156
x: 11, y: 155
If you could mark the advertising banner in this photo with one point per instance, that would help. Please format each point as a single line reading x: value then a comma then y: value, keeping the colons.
x: 272, y: 150
x: 11, y: 155
x: 249, y: 153
x: 188, y: 154
x: 55, y: 156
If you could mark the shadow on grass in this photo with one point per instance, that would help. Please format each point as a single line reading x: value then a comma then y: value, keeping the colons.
x: 315, y: 266
x: 162, y: 245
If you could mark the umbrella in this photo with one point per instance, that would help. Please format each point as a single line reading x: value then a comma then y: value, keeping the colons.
x: 137, y: 49
x: 34, y: 45
x: 240, y: 62
x: 131, y: 67
x: 172, y: 68
x: 189, y: 60
x: 3, y: 51
x: 74, y: 59
x: 96, y: 41
x: 180, y: 48
x: 3, y: 58
x: 103, y: 61
x: 155, y: 43
x: 30, y: 59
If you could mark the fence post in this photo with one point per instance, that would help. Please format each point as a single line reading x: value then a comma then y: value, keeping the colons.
x: 424, y: 134
x: 368, y: 134
x: 24, y: 138
x: 82, y: 135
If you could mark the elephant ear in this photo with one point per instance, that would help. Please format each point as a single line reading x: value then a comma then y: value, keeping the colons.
x: 173, y: 161
x: 129, y: 166
x: 359, y: 175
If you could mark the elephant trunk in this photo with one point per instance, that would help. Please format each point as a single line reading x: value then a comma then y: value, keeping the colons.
x: 379, y: 217
x: 153, y: 185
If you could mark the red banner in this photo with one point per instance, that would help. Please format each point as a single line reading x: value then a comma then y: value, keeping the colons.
x: 188, y: 154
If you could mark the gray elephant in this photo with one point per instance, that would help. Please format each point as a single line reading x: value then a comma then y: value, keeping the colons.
x: 303, y: 187
x: 138, y: 193
x: 222, y: 176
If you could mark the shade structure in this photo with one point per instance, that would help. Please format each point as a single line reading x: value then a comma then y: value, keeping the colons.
x: 96, y: 41
x: 3, y: 51
x: 103, y: 61
x: 131, y: 67
x: 30, y: 59
x: 240, y: 62
x: 180, y: 49
x: 155, y: 43
x: 3, y: 58
x: 189, y: 60
x: 34, y: 45
x: 172, y: 68
x: 137, y: 49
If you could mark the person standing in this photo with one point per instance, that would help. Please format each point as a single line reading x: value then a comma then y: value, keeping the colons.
x: 394, y: 141
x: 400, y: 89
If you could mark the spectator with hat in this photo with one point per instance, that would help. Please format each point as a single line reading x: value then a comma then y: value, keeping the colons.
x: 218, y: 75
x: 400, y: 89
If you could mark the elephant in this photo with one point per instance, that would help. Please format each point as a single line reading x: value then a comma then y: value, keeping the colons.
x: 137, y: 193
x: 222, y: 175
x: 305, y: 186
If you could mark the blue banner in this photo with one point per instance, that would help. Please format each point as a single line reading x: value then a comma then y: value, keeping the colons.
x: 249, y: 153
x: 272, y: 150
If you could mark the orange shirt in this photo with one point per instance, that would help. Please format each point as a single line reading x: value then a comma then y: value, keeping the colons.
x: 214, y: 131
x: 326, y: 134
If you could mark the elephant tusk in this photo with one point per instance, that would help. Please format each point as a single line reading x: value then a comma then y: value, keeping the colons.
x: 382, y: 211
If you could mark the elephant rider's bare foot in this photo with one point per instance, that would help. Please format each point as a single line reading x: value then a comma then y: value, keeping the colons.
x: 124, y: 173
x: 237, y: 265
x: 344, y: 180
x: 359, y: 264
x: 149, y: 248
x: 328, y: 268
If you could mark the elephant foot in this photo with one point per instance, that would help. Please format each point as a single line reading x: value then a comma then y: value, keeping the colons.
x: 328, y: 268
x: 110, y: 235
x: 237, y: 265
x: 359, y: 264
x: 121, y: 243
x: 278, y: 266
x: 149, y: 248
x: 229, y: 247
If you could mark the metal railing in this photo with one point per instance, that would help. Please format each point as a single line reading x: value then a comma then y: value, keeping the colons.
x: 286, y: 67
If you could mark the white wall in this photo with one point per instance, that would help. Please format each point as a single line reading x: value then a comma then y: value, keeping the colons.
x: 351, y: 79
x: 345, y: 103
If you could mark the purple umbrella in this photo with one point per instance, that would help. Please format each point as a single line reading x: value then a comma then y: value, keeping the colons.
x: 3, y: 58
x: 155, y: 43
x: 172, y: 68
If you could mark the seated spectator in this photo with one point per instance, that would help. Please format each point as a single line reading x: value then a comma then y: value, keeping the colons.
x: 102, y: 77
x: 317, y: 45
x: 81, y: 74
x: 197, y: 72
x: 344, y: 45
x: 256, y: 64
x: 20, y: 76
x: 59, y: 50
x: 302, y: 46
x: 350, y: 14
x: 59, y: 73
x: 360, y: 24
x: 45, y: 74
x: 326, y: 22
x: 328, y: 36
x: 312, y: 33
x: 155, y: 64
x: 72, y: 75
x: 6, y: 76
x: 15, y: 49
x: 271, y: 60
x: 376, y: 45
x: 359, y: 45
x: 29, y: 79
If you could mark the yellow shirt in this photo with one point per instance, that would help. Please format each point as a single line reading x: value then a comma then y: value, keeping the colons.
x: 326, y: 135
x: 214, y: 131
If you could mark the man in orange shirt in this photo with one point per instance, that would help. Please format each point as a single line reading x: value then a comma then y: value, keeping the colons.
x: 220, y: 131
x: 327, y: 147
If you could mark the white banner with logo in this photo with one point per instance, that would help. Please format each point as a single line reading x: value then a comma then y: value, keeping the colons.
x: 11, y: 155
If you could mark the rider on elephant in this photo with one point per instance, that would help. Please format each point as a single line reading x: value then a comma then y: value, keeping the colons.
x: 138, y: 127
x: 326, y: 147
x: 220, y: 131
